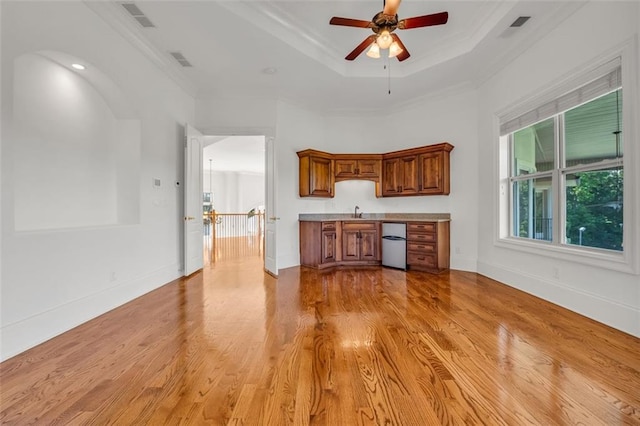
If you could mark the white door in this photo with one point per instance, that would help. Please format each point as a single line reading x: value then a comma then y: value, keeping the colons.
x: 271, y: 216
x: 193, y: 226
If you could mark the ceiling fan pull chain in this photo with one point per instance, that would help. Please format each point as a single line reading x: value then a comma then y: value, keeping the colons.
x: 389, y: 76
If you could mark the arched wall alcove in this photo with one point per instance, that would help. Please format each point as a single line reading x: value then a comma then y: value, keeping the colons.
x: 77, y: 146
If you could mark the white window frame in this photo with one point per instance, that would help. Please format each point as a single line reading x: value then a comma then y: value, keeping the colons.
x: 625, y: 261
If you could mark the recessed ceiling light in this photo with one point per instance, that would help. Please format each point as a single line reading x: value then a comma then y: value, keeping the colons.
x: 78, y: 66
x: 269, y: 70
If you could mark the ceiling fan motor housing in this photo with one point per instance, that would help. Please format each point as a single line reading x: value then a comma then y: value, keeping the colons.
x: 382, y: 21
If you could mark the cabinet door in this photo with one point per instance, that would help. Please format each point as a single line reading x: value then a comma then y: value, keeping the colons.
x: 409, y: 175
x: 320, y: 174
x: 328, y: 247
x: 369, y: 244
x: 346, y: 168
x: 390, y: 176
x: 432, y: 173
x: 350, y: 245
x: 368, y: 169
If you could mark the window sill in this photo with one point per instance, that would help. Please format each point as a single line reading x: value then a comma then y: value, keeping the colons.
x: 606, y: 259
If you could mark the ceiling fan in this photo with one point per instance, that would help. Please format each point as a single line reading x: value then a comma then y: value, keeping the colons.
x: 383, y: 24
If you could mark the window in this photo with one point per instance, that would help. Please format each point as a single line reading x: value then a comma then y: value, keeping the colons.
x: 565, y: 168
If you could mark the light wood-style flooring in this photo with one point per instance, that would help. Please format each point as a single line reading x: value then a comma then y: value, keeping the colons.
x: 233, y: 346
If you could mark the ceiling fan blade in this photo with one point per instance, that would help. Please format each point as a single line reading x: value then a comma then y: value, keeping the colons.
x: 423, y: 21
x: 361, y: 47
x: 405, y: 53
x: 348, y: 22
x: 391, y: 7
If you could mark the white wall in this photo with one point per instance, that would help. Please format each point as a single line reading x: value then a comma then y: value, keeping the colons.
x: 236, y: 116
x: 74, y: 151
x: 235, y: 192
x: 297, y: 129
x: 603, y: 294
x: 53, y: 280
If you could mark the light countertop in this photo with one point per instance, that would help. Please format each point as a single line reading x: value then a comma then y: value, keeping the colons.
x: 385, y: 217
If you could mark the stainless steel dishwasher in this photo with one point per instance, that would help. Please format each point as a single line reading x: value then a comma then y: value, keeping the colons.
x: 394, y: 245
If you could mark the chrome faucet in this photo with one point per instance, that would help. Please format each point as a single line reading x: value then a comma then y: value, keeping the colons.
x: 355, y: 212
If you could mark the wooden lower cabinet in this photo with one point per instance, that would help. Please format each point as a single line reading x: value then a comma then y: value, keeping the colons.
x: 336, y: 243
x: 329, y: 243
x: 360, y: 242
x: 428, y: 246
x: 326, y: 244
x: 319, y: 246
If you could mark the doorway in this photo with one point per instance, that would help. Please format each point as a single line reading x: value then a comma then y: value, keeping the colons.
x: 233, y: 197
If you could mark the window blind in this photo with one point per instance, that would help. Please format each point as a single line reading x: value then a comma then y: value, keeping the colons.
x: 600, y: 86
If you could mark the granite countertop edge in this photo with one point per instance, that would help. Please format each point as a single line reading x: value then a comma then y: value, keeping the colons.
x: 400, y: 217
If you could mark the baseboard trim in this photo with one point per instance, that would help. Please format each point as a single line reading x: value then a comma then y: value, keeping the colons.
x: 20, y: 336
x: 618, y: 315
x: 462, y: 263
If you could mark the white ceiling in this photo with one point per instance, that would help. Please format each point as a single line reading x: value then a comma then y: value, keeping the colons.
x: 230, y: 44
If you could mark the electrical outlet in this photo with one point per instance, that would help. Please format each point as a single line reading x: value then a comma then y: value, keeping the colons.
x: 113, y: 276
x: 458, y: 251
x: 556, y: 272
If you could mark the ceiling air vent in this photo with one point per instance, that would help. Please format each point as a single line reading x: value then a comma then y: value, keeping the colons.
x: 181, y: 59
x: 138, y: 15
x: 520, y: 21
x: 514, y: 27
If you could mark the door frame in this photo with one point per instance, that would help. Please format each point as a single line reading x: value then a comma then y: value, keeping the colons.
x: 269, y: 135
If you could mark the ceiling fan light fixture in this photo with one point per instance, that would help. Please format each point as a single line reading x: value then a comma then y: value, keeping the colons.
x: 395, y: 49
x: 384, y: 39
x: 374, y: 51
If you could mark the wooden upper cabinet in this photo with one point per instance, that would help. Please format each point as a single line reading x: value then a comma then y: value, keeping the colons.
x: 357, y: 166
x: 409, y: 176
x: 432, y: 174
x: 418, y: 171
x: 316, y: 174
x: 346, y: 168
x: 390, y: 176
x: 400, y: 176
x: 415, y: 171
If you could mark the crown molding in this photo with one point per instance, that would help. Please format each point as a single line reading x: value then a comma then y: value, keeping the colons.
x: 114, y: 15
x: 277, y: 21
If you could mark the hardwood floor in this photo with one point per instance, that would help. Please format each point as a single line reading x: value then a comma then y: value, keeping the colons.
x: 232, y: 345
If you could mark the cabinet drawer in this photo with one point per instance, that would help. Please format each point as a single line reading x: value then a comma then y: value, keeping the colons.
x: 426, y: 260
x: 358, y: 226
x: 328, y: 226
x: 422, y: 248
x: 421, y: 237
x: 422, y: 227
